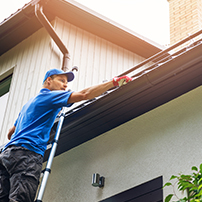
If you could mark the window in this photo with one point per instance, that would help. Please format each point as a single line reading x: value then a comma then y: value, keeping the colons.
x: 4, y: 93
x: 149, y: 191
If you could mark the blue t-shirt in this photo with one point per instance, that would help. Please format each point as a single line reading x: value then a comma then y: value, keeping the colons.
x: 36, y: 119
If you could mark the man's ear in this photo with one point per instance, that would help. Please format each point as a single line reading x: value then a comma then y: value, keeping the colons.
x: 48, y: 80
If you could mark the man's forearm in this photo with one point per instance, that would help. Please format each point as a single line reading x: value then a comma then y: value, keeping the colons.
x: 94, y: 91
x: 97, y: 90
x: 90, y: 93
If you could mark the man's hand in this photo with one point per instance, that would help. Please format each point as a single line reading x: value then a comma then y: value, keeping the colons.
x: 119, y: 81
x: 10, y: 132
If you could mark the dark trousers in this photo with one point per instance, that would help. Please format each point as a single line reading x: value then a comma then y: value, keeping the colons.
x: 20, y: 171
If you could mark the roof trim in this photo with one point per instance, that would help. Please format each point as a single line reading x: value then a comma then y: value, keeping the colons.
x: 155, y: 87
x: 23, y: 23
x: 111, y: 22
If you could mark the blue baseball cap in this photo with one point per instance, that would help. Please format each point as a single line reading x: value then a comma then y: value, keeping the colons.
x: 70, y: 75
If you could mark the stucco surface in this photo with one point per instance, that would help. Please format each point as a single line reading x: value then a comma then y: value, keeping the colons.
x: 162, y: 142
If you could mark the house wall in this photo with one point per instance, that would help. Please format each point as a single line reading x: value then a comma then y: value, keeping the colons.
x: 96, y: 58
x: 162, y: 142
x: 185, y: 18
x: 28, y: 61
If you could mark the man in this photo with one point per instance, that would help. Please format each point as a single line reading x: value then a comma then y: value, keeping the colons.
x: 22, y: 158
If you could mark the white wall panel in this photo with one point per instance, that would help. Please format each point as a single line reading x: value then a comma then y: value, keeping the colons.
x: 97, y: 59
x: 28, y: 61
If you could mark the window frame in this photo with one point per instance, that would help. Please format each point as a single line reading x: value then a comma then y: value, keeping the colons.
x: 149, y: 191
x: 5, y: 84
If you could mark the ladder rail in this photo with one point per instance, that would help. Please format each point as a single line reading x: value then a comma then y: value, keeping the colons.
x: 50, y: 158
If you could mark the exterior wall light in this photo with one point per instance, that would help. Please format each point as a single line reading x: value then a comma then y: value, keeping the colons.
x: 97, y: 181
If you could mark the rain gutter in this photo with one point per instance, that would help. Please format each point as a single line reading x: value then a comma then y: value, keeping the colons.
x: 172, y: 76
x: 154, y: 88
x: 164, y: 55
x: 49, y: 28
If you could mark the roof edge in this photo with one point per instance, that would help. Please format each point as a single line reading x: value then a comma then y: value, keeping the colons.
x: 114, y: 23
x: 79, y: 16
x: 154, y: 88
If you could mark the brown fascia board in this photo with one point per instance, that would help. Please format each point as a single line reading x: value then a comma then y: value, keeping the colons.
x: 23, y: 23
x: 154, y: 88
x: 18, y: 27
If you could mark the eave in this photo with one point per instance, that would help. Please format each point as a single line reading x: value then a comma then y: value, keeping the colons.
x: 24, y: 23
x: 154, y: 88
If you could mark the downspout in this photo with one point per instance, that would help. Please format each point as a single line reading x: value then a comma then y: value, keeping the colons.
x: 49, y: 28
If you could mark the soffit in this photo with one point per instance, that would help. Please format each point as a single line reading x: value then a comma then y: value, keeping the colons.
x: 23, y: 23
x: 18, y: 27
x: 103, y: 27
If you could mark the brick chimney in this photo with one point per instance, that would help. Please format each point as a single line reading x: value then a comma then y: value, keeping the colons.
x: 185, y: 18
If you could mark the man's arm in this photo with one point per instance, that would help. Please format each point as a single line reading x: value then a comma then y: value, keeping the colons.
x: 90, y: 93
x: 94, y: 91
x: 10, y: 132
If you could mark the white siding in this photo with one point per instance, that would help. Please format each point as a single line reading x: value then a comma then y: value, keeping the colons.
x: 28, y: 61
x: 96, y: 58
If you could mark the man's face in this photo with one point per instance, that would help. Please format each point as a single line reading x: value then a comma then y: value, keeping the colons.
x: 58, y: 82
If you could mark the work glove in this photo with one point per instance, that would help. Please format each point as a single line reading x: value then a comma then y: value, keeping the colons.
x: 119, y: 81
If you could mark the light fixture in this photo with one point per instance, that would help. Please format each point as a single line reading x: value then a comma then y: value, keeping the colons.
x: 97, y: 181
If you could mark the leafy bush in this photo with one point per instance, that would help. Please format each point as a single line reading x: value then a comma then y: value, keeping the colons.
x: 191, y: 184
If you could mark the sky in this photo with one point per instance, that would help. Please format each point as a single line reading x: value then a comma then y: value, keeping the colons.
x: 149, y: 18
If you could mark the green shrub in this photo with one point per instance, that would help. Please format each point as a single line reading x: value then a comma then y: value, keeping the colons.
x: 190, y: 184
